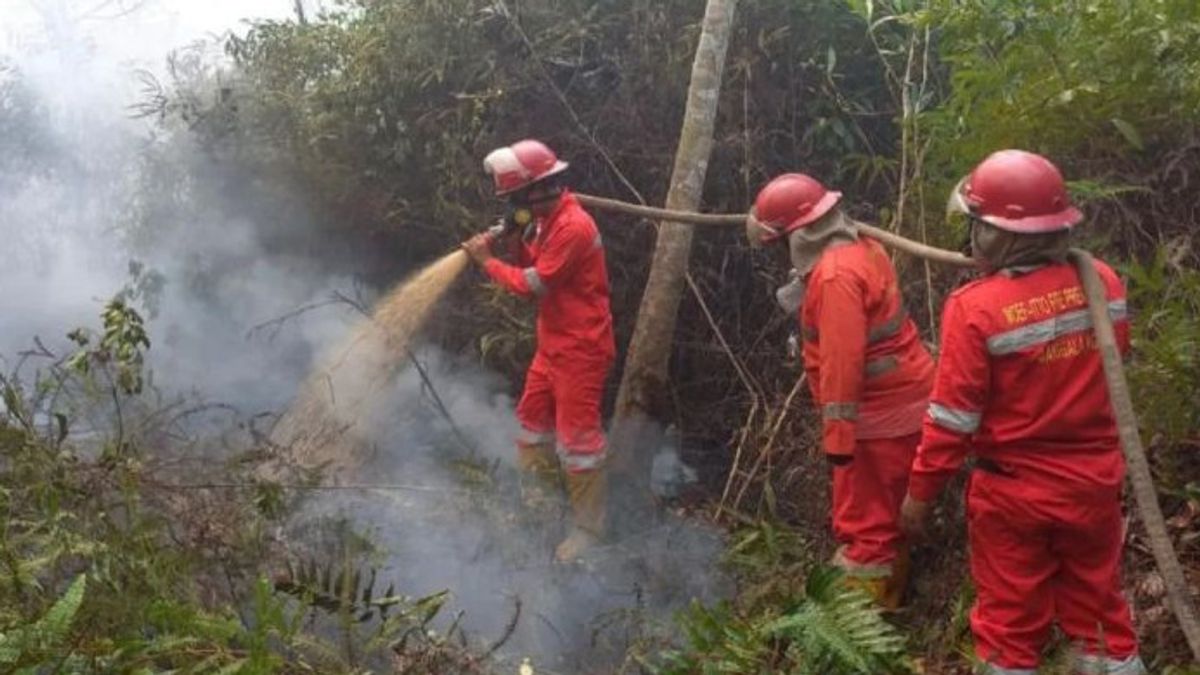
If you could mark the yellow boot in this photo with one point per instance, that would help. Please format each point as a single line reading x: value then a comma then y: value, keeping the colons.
x: 540, y: 486
x: 588, y: 494
x: 872, y: 579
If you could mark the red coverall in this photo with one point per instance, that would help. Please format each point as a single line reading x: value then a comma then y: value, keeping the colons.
x: 871, y: 375
x: 563, y: 267
x: 1020, y: 384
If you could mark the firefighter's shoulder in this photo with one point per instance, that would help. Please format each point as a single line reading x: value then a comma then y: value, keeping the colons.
x: 840, y: 260
x: 973, y: 289
x: 577, y: 216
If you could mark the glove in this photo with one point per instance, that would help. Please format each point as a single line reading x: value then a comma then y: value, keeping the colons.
x: 515, y: 220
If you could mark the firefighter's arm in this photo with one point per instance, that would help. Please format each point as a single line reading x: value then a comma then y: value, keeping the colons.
x: 556, y: 259
x: 509, y: 277
x: 960, y: 394
x: 842, y: 331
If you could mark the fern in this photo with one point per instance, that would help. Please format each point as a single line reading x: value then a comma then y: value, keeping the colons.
x: 718, y: 642
x: 838, y: 629
x: 47, y: 634
x: 832, y: 630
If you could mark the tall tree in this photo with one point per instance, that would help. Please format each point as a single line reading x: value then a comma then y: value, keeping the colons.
x: 644, y: 380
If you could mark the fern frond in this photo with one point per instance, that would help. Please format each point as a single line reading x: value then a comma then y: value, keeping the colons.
x: 839, y: 629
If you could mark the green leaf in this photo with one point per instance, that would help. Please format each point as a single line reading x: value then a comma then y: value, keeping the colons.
x: 49, y: 632
x: 1129, y: 132
x: 57, y: 622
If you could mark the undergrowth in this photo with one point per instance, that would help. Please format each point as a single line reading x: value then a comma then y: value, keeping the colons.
x: 792, y: 616
x: 109, y: 563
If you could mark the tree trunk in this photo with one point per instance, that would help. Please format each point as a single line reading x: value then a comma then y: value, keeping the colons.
x: 642, y: 392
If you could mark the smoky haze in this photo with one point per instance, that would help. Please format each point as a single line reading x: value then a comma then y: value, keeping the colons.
x: 86, y: 188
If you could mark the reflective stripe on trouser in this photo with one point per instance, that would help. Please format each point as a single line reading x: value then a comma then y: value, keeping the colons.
x: 1084, y: 665
x: 993, y: 669
x: 867, y: 493
x: 562, y: 397
x: 1091, y: 664
x: 1041, y: 554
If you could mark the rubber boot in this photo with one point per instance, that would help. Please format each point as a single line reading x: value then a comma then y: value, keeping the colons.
x: 540, y: 487
x: 897, y: 581
x: 875, y: 587
x: 870, y: 579
x: 588, y: 494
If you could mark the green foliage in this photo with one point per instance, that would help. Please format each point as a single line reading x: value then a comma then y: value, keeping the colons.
x: 838, y: 629
x: 119, y: 347
x: 1165, y: 370
x: 1109, y: 76
x: 102, y: 569
x: 718, y: 640
x: 43, y: 640
x: 832, y: 629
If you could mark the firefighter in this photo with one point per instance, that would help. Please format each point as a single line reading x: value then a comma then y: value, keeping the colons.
x: 866, y: 366
x: 559, y: 265
x: 1020, y: 387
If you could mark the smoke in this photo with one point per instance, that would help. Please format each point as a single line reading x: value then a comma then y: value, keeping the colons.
x: 93, y: 201
x: 87, y: 189
x: 450, y: 518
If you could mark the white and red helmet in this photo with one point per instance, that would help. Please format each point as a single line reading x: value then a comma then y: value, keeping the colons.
x: 520, y: 165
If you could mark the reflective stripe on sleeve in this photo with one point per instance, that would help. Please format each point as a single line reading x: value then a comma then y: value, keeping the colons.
x: 534, y: 281
x: 598, y: 242
x: 1034, y: 334
x: 963, y: 421
x: 840, y: 411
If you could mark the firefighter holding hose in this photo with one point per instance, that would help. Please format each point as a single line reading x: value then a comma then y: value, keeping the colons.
x: 559, y: 264
x: 866, y: 365
x: 1020, y: 386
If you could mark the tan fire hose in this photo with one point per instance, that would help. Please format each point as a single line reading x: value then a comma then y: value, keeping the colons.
x: 1145, y: 495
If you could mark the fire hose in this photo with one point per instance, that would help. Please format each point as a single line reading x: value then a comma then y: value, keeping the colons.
x: 1144, y: 492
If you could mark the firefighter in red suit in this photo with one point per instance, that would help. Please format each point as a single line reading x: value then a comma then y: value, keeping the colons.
x: 866, y: 366
x: 1020, y: 387
x: 559, y: 265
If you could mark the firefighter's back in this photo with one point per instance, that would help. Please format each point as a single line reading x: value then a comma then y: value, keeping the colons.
x: 1048, y: 413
